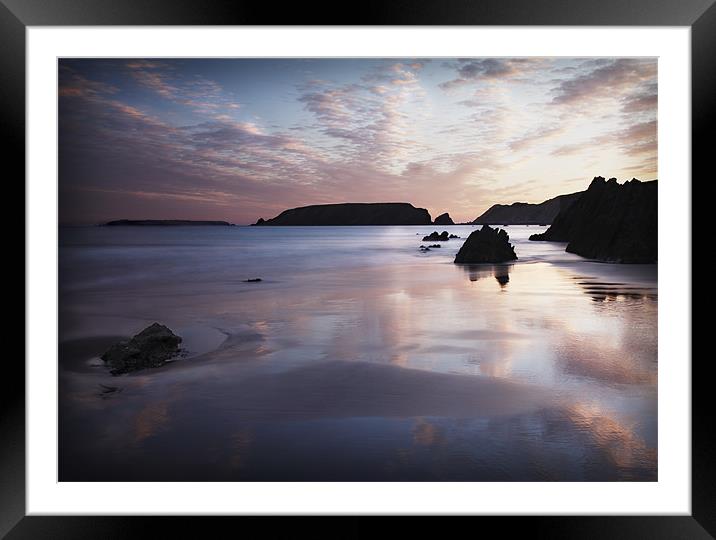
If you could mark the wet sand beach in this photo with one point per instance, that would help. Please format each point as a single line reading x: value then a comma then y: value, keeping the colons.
x: 356, y: 358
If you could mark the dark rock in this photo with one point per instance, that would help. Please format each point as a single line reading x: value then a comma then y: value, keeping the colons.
x: 166, y: 223
x: 444, y: 219
x: 436, y: 237
x: 108, y: 391
x: 434, y: 246
x: 152, y: 347
x: 486, y: 245
x: 453, y: 236
x: 253, y: 280
x: 610, y: 222
x: 259, y: 221
x: 352, y: 214
x: 521, y: 213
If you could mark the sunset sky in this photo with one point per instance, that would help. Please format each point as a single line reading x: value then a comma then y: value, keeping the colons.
x: 239, y: 139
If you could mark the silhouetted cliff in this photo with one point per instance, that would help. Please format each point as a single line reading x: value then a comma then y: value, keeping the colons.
x: 444, y: 219
x: 520, y: 213
x: 610, y: 222
x: 352, y: 214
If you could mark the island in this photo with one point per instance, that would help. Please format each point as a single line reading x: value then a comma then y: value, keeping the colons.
x: 521, y: 213
x: 166, y: 223
x: 610, y: 222
x: 444, y: 219
x: 350, y: 214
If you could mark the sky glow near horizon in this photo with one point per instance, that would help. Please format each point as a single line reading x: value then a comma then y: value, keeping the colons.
x: 239, y: 139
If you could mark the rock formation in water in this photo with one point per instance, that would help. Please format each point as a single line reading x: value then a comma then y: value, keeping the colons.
x: 444, y: 219
x: 610, y: 222
x: 436, y: 237
x: 165, y: 223
x: 152, y: 347
x: 352, y: 214
x: 486, y: 245
x: 520, y: 213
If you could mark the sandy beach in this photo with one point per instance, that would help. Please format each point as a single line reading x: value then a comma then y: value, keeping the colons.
x: 356, y: 358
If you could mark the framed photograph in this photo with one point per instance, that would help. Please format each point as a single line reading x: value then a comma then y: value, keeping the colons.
x: 404, y: 264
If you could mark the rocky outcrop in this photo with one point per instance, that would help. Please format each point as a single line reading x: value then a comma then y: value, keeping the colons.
x: 437, y: 237
x: 444, y: 219
x: 152, y: 347
x: 610, y: 222
x: 486, y: 245
x: 351, y: 214
x: 165, y: 223
x: 521, y: 213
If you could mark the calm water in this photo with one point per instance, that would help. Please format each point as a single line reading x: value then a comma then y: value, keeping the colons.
x: 356, y: 358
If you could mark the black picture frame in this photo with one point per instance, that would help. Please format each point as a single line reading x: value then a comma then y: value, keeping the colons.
x: 16, y: 15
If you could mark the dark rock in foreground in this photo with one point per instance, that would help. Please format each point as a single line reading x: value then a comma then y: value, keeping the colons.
x: 351, y: 214
x: 610, y: 222
x: 444, y: 219
x: 152, y: 347
x: 165, y: 223
x: 253, y: 280
x: 521, y: 213
x: 436, y: 237
x: 486, y: 245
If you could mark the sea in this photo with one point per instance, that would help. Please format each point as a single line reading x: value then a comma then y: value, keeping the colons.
x: 357, y: 357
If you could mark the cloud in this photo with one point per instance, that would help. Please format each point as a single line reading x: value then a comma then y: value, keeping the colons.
x: 73, y: 84
x: 396, y: 74
x: 224, y: 165
x: 645, y: 100
x: 639, y: 138
x: 489, y: 69
x: 541, y: 135
x: 634, y: 140
x: 368, y: 120
x: 200, y: 94
x: 608, y: 80
x: 387, y: 133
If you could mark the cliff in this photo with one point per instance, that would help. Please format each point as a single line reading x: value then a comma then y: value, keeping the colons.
x: 610, y: 222
x: 520, y: 213
x: 444, y: 219
x: 352, y: 214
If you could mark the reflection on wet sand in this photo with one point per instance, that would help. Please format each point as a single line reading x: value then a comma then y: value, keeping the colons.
x: 150, y: 419
x: 400, y: 370
x: 501, y: 272
x: 426, y: 433
x: 617, y: 440
x: 241, y: 445
x: 610, y: 291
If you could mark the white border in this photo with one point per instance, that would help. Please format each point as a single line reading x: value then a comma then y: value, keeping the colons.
x: 670, y: 495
